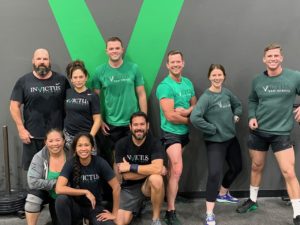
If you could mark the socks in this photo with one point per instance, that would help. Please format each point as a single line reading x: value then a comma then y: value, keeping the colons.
x: 253, y: 193
x: 296, y: 206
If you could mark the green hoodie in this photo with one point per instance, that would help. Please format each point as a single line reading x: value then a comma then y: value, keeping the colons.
x: 214, y: 115
x: 271, y: 101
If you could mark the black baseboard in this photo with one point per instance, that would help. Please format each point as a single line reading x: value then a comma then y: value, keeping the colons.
x: 238, y: 194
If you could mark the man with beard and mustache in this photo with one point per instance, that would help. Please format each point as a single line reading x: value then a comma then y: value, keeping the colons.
x: 139, y: 159
x: 42, y: 94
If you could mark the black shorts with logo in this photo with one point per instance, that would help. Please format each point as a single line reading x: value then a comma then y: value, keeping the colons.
x: 261, y: 141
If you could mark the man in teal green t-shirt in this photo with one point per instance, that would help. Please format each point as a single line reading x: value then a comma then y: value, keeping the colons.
x: 176, y: 97
x: 122, y: 86
x: 271, y: 101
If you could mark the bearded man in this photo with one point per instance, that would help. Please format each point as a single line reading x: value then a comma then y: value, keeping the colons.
x: 139, y: 159
x: 42, y: 94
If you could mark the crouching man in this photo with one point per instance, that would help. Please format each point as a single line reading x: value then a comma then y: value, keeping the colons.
x: 139, y: 158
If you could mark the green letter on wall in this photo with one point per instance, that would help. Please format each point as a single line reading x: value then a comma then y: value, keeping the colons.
x: 147, y: 45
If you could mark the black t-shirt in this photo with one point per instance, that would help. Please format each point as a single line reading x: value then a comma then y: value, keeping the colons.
x: 91, y: 177
x: 43, y: 102
x: 80, y: 108
x: 142, y: 155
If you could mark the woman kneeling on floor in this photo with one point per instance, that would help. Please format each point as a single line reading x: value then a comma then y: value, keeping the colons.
x: 43, y: 171
x: 79, y: 186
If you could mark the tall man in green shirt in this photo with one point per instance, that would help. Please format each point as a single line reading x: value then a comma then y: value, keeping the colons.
x: 122, y: 86
x: 176, y: 97
x: 271, y: 121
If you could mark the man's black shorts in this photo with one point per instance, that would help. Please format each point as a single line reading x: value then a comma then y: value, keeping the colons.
x: 261, y: 141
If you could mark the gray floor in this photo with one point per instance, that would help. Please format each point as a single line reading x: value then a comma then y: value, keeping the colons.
x: 272, y: 211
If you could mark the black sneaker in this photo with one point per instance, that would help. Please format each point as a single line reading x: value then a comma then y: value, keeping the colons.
x: 21, y: 214
x: 171, y: 218
x: 247, y: 206
x: 297, y: 220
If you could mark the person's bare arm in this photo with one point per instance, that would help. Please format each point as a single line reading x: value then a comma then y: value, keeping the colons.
x: 15, y: 111
x: 186, y: 112
x: 107, y: 215
x: 155, y: 167
x: 63, y: 188
x: 104, y: 126
x: 96, y: 124
x: 142, y: 98
x: 167, y: 106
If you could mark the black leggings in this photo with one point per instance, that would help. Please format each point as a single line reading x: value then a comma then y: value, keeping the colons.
x: 69, y: 212
x: 217, y: 152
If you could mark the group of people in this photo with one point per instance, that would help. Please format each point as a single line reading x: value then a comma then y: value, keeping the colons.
x: 60, y: 122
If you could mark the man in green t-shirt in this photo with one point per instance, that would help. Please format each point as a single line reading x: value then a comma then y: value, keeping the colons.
x: 176, y: 97
x: 121, y: 86
x: 271, y: 121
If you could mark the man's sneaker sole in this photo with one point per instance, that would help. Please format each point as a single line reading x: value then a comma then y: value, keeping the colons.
x: 226, y: 201
x: 168, y: 222
x: 252, y: 208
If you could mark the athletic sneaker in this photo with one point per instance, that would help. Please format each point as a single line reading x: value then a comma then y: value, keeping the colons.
x: 227, y: 198
x: 297, y: 220
x: 156, y: 222
x: 210, y: 219
x: 247, y: 206
x: 171, y: 218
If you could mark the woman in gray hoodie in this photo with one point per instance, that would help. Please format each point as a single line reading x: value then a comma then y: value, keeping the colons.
x: 43, y: 171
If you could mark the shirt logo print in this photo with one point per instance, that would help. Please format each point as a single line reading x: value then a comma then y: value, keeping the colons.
x: 265, y: 88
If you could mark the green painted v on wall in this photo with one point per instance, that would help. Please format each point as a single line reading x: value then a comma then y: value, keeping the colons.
x: 146, y: 47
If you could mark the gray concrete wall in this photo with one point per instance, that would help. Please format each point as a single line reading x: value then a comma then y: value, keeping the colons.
x: 229, y: 32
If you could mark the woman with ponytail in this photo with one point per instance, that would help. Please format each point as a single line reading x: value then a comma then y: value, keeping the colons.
x: 79, y: 186
x: 81, y: 105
